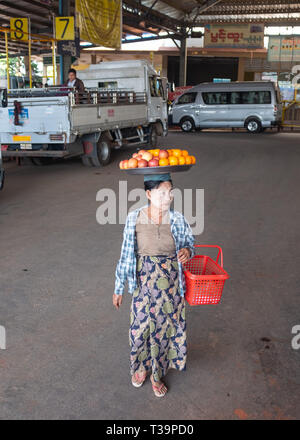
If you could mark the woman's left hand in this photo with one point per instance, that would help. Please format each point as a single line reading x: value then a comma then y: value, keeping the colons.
x: 183, y: 255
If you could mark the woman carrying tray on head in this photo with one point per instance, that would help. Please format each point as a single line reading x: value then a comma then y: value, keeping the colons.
x: 156, y: 241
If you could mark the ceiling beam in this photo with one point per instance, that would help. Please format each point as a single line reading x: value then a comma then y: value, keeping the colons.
x: 21, y: 10
x: 38, y: 4
x: 136, y: 40
x: 157, y: 18
x: 206, y: 5
x: 7, y: 14
x: 176, y: 6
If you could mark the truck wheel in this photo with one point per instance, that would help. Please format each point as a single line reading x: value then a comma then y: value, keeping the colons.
x: 187, y: 124
x: 152, y: 142
x: 2, y: 178
x: 86, y: 161
x: 103, y: 152
x: 253, y: 125
x: 40, y: 161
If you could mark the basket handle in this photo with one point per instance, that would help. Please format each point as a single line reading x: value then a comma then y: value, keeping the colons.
x: 220, y: 253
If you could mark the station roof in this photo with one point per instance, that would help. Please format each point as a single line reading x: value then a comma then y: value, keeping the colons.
x: 157, y: 17
x: 200, y: 12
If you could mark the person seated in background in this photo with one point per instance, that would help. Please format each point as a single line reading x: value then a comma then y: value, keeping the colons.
x: 73, y: 81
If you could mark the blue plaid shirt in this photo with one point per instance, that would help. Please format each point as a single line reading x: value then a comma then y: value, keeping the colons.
x: 126, y: 268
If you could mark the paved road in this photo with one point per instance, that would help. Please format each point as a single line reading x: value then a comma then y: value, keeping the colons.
x: 67, y: 349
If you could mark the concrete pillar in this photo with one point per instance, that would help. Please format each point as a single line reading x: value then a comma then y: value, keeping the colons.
x: 26, y: 63
x: 165, y: 65
x: 241, y: 69
x: 44, y: 74
x: 182, y: 62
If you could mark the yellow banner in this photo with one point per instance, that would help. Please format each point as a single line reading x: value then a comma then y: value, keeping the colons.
x: 100, y: 21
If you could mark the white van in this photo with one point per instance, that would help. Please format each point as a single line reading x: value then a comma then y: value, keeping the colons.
x: 249, y: 104
x: 3, y: 103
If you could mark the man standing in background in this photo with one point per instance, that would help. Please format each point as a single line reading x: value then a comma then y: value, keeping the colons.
x: 73, y: 81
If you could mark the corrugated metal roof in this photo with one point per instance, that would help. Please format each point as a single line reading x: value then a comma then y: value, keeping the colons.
x: 152, y: 16
x: 177, y: 9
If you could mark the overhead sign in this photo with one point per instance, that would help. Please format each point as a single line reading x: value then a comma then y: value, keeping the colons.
x: 64, y: 28
x: 19, y: 28
x: 284, y: 48
x: 235, y: 36
x: 70, y: 47
x: 100, y: 21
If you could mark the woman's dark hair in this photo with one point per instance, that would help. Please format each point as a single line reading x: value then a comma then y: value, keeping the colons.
x: 72, y: 71
x: 152, y: 184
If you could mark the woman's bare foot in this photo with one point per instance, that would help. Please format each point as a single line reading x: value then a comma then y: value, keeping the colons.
x: 158, y: 387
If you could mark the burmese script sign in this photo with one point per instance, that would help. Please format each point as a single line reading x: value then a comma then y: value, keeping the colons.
x: 238, y: 36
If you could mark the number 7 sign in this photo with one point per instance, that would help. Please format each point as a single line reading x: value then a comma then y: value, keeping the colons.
x: 64, y: 28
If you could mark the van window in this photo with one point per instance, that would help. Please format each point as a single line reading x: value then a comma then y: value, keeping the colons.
x: 187, y: 98
x: 250, y: 97
x: 215, y: 98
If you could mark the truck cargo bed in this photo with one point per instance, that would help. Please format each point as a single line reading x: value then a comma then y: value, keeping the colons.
x: 61, y: 116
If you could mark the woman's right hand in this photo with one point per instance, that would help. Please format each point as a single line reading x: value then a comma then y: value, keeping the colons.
x: 117, y: 300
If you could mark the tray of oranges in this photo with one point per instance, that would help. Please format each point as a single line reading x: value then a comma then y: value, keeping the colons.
x: 158, y: 161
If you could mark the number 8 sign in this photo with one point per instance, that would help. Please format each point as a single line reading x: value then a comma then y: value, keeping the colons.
x: 19, y: 28
x: 64, y: 28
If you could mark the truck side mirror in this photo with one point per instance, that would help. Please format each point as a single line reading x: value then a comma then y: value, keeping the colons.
x: 3, y: 97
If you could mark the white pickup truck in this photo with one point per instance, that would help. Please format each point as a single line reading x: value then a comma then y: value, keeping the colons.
x: 59, y: 122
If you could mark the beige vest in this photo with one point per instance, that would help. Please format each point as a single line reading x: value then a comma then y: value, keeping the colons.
x: 153, y: 239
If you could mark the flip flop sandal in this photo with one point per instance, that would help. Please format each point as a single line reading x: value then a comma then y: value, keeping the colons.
x: 140, y: 379
x: 157, y: 389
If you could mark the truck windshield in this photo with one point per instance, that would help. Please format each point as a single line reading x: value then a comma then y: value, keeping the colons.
x: 156, y: 87
x: 3, y: 97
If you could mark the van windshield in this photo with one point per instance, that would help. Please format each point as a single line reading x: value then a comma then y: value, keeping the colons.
x: 187, y: 98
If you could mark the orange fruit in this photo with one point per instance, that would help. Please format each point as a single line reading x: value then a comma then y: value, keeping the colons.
x: 181, y: 160
x: 184, y: 153
x: 193, y: 160
x: 155, y: 152
x: 164, y: 162
x: 177, y: 152
x: 173, y: 160
x: 170, y: 151
x: 188, y: 160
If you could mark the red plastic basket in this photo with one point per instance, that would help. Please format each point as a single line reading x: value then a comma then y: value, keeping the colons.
x: 204, y: 278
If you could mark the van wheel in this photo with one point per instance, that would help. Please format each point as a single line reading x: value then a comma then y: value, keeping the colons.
x: 253, y: 125
x: 187, y: 125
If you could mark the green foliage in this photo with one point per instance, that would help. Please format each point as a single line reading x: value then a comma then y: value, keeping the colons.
x: 17, y: 67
